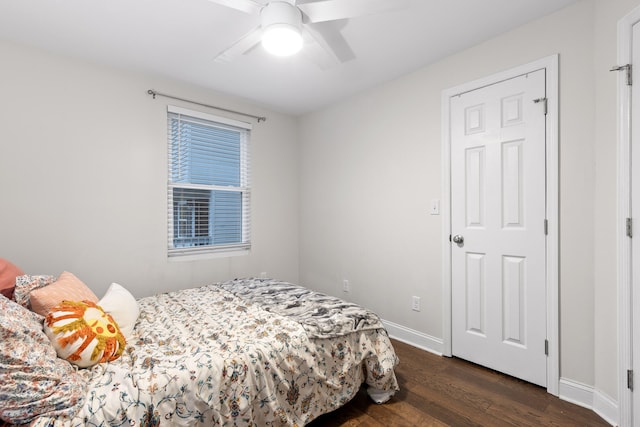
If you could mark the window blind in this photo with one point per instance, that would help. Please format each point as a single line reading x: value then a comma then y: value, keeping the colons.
x: 208, y: 190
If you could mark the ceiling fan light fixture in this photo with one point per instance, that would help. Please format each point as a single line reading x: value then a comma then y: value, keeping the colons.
x: 281, y: 28
x: 282, y: 40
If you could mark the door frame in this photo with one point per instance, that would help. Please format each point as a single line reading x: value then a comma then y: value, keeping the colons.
x: 625, y: 265
x: 549, y: 63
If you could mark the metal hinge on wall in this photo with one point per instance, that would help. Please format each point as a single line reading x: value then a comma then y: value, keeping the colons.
x: 630, y: 379
x: 627, y: 68
x: 546, y: 347
x: 546, y: 227
x: 629, y: 227
x: 544, y: 104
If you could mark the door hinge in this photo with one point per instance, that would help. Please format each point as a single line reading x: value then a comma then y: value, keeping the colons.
x: 629, y: 227
x: 628, y: 68
x: 546, y: 227
x: 546, y: 347
x: 544, y: 104
x: 630, y: 379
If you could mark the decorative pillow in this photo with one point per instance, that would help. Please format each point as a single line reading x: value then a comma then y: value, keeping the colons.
x: 25, y: 284
x: 122, y: 306
x: 8, y: 274
x: 33, y: 380
x: 66, y: 287
x: 82, y: 333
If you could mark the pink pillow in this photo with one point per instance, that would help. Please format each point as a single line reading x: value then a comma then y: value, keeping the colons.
x: 67, y: 287
x: 8, y: 274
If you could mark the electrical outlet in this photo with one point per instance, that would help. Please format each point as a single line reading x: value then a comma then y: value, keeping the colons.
x: 346, y: 286
x: 415, y: 303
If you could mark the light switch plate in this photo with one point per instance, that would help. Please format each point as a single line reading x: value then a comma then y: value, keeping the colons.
x: 435, y: 207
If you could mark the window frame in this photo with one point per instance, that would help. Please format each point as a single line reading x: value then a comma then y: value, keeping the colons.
x: 229, y: 249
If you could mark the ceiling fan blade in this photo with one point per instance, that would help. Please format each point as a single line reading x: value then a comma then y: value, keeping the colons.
x: 330, y: 10
x: 244, y: 44
x: 328, y: 35
x: 318, y: 50
x: 246, y: 6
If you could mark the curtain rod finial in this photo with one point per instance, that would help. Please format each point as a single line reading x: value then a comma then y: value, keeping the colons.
x: 152, y: 93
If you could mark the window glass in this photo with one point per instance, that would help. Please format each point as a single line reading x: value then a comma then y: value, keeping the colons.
x: 208, y: 185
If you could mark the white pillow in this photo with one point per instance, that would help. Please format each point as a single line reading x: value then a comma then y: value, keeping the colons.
x: 122, y: 306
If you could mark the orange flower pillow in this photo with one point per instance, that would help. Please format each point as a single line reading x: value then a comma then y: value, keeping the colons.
x: 82, y: 333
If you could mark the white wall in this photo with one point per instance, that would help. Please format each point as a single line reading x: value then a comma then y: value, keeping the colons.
x: 370, y: 165
x: 83, y: 173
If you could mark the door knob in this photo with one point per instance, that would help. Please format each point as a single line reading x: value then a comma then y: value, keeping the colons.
x: 458, y: 239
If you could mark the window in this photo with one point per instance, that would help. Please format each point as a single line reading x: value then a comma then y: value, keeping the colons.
x: 208, y: 190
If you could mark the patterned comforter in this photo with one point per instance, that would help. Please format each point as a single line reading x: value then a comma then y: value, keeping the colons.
x: 241, y: 353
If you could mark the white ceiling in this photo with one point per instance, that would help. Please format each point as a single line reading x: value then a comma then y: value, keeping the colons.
x: 180, y: 38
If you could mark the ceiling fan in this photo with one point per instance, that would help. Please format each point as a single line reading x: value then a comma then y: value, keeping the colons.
x: 288, y: 25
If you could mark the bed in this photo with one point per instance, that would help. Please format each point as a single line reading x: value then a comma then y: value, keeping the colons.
x: 247, y: 352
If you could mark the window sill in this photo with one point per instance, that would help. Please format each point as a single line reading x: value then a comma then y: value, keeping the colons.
x: 208, y: 255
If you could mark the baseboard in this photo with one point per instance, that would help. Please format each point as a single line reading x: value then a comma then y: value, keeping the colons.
x: 606, y: 407
x: 415, y: 338
x: 587, y: 397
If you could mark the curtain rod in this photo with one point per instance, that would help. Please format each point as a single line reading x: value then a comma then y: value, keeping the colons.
x: 154, y: 94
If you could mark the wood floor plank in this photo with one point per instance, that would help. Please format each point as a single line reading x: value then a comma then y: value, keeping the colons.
x: 440, y: 391
x: 477, y: 380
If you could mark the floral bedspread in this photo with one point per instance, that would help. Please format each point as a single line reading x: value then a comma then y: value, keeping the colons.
x: 208, y: 357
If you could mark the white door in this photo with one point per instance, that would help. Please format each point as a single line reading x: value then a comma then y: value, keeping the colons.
x: 635, y: 215
x: 498, y: 220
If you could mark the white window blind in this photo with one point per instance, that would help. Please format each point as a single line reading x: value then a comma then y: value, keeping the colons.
x: 208, y: 191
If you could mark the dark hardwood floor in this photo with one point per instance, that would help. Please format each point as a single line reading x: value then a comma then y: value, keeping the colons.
x: 442, y: 391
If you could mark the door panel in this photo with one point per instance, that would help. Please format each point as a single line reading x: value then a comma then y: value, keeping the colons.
x: 513, y: 193
x: 475, y: 290
x: 513, y: 299
x: 475, y: 186
x: 498, y: 207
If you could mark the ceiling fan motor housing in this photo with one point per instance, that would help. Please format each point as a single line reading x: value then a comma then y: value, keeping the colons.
x: 281, y: 12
